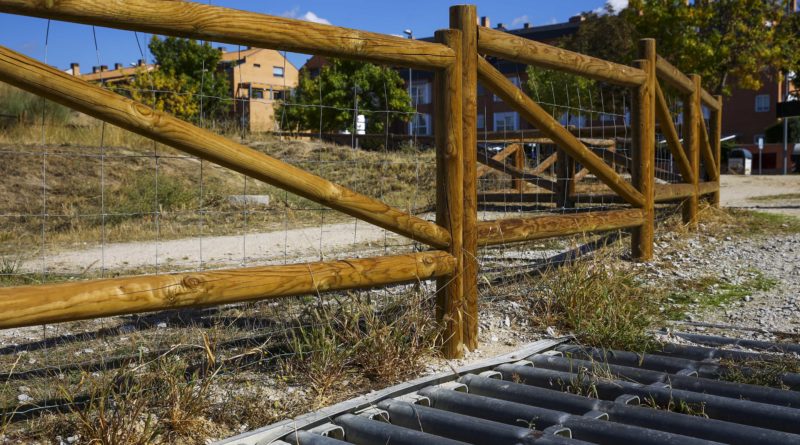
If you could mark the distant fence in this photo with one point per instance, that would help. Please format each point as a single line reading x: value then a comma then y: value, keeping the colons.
x: 456, y: 234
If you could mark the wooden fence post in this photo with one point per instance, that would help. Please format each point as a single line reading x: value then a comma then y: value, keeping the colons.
x: 643, y: 171
x: 465, y: 19
x: 565, y: 179
x: 449, y: 192
x: 691, y: 143
x: 716, y: 146
x: 519, y: 163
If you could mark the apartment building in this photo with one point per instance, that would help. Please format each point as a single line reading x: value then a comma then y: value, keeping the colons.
x: 258, y: 78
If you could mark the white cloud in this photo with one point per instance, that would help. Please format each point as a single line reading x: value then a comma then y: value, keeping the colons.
x: 309, y: 16
x: 615, y: 5
x: 519, y: 21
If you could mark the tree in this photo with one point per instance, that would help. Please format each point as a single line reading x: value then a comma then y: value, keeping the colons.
x: 562, y: 94
x: 340, y: 88
x: 726, y: 42
x: 185, y: 80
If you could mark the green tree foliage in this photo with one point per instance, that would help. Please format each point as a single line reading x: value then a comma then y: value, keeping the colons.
x: 186, y: 70
x: 562, y: 94
x: 728, y: 42
x: 339, y: 87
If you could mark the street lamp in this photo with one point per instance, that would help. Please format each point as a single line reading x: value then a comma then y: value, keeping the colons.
x: 410, y: 34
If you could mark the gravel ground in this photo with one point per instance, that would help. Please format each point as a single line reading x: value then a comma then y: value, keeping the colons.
x: 762, y: 314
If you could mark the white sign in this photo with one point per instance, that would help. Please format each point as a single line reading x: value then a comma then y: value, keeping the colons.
x: 760, y: 143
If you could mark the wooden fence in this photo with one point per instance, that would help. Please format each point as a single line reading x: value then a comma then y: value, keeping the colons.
x: 456, y: 234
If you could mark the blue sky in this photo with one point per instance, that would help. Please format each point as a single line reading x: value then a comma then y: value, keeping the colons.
x: 75, y: 43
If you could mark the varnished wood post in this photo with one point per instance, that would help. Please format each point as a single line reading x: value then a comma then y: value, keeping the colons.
x: 691, y: 143
x: 565, y: 179
x: 449, y: 192
x: 465, y: 19
x: 716, y: 145
x: 643, y: 171
x: 519, y: 162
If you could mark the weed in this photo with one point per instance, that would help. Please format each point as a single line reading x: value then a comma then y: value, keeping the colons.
x: 711, y: 291
x: 780, y: 197
x: 600, y: 302
x: 761, y: 371
x: 355, y: 339
x: 677, y: 406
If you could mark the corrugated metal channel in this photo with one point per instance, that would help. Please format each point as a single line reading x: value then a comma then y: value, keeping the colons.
x: 573, y: 395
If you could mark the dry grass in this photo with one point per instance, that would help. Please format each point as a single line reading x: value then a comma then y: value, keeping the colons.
x: 184, y: 385
x: 119, y: 197
x: 779, y: 197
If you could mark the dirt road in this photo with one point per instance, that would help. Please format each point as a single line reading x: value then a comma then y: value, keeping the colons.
x: 332, y: 241
x: 749, y: 192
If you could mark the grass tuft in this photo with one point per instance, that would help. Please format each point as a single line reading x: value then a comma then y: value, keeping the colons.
x: 601, y: 302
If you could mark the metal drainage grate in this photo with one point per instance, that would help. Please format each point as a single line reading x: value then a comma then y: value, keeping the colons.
x: 566, y: 394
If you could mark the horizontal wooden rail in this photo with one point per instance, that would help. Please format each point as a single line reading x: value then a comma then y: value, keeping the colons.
x: 41, y: 304
x: 37, y: 78
x: 217, y: 24
x: 538, y: 227
x: 533, y: 113
x: 673, y: 76
x: 589, y: 135
x: 671, y: 134
x: 516, y: 173
x: 517, y: 49
x: 674, y: 192
x: 515, y: 197
x: 709, y: 100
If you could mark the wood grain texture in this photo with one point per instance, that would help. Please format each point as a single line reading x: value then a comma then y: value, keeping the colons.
x: 48, y: 82
x: 519, y: 164
x: 501, y: 156
x: 450, y: 192
x: 565, y: 179
x: 716, y: 142
x: 644, y: 149
x: 673, y: 76
x: 43, y: 304
x: 544, y: 165
x: 707, y: 152
x: 514, y: 197
x: 464, y: 18
x: 538, y: 117
x: 517, y: 49
x: 217, y: 24
x: 691, y: 142
x: 713, y: 103
x: 512, y: 171
x: 538, y: 227
x: 671, y: 135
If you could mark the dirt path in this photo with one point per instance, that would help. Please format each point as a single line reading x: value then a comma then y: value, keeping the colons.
x: 306, y: 244
x: 740, y: 191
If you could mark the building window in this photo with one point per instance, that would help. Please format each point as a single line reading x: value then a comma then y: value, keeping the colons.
x: 277, y: 71
x: 515, y: 80
x: 257, y: 93
x: 762, y: 103
x: 420, y: 93
x: 508, y: 121
x: 278, y: 94
x: 481, y: 121
x: 421, y: 124
x: 257, y: 65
